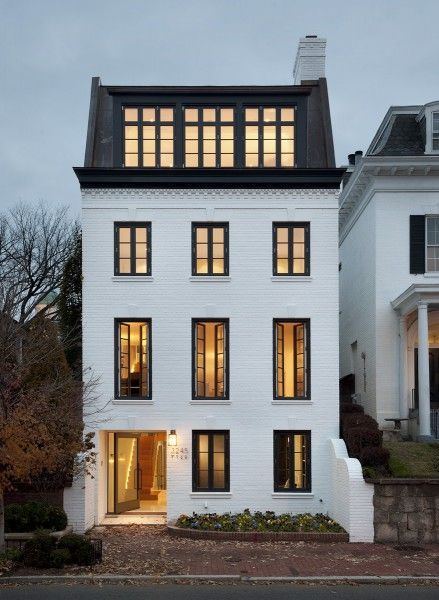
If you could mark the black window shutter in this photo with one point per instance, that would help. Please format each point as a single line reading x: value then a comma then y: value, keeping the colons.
x: 417, y: 244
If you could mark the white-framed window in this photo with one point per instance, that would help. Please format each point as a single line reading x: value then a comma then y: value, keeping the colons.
x: 435, y: 132
x: 432, y: 243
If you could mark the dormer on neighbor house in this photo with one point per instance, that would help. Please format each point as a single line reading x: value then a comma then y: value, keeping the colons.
x: 428, y: 119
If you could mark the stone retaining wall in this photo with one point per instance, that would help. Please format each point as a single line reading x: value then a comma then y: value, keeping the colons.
x: 258, y: 536
x: 406, y: 511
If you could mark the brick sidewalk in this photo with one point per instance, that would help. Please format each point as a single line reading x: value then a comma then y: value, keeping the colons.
x: 149, y: 550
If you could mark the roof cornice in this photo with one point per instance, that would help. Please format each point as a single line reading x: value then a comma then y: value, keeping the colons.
x: 371, y: 167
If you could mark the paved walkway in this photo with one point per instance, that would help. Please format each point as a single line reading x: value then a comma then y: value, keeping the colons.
x: 149, y: 550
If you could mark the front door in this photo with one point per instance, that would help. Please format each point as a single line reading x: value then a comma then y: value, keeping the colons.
x: 433, y: 358
x: 127, y: 472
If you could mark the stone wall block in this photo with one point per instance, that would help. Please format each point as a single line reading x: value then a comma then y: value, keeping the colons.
x: 386, y: 533
x: 407, y: 504
x: 398, y: 518
x: 407, y: 536
x: 384, y: 502
x: 381, y: 515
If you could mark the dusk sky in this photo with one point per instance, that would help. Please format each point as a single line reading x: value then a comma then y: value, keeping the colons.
x: 379, y: 53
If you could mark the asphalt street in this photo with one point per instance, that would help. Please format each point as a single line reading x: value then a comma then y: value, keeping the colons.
x: 218, y: 592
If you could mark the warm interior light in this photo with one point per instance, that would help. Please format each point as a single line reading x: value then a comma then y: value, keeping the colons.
x: 172, y: 438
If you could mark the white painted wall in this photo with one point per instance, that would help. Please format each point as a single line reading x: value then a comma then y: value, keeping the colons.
x: 357, y: 305
x: 353, y: 497
x: 367, y: 287
x: 250, y: 299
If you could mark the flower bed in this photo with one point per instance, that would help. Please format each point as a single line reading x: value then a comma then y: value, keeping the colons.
x: 258, y: 526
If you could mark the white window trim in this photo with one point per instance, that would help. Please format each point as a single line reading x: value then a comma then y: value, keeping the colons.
x: 427, y: 112
x: 427, y: 272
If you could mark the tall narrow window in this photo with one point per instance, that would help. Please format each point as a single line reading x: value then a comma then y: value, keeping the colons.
x: 210, y: 359
x: 291, y: 358
x: 435, y: 131
x: 133, y: 359
x: 210, y: 453
x: 132, y: 248
x: 209, y: 137
x: 210, y: 249
x: 269, y: 136
x: 292, y: 461
x: 149, y: 136
x: 291, y: 249
x: 432, y: 224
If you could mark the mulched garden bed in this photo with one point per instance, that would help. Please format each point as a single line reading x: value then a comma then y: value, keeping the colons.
x: 258, y: 536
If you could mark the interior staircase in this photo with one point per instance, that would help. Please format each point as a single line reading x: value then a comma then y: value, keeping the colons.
x: 146, y: 457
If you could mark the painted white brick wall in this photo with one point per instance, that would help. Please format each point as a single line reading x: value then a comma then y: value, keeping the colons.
x: 353, y: 497
x: 375, y: 271
x: 251, y: 299
x: 357, y: 305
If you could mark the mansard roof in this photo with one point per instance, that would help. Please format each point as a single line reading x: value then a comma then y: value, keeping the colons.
x: 311, y: 98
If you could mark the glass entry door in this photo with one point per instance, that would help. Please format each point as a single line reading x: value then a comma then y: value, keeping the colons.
x: 127, y: 473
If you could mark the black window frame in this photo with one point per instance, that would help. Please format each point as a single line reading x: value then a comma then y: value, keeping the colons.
x: 226, y: 363
x: 205, y: 98
x: 210, y: 225
x: 140, y: 123
x: 276, y: 438
x: 291, y: 225
x: 217, y: 124
x: 132, y: 225
x: 195, y: 459
x: 117, y: 323
x: 260, y: 123
x: 307, y: 375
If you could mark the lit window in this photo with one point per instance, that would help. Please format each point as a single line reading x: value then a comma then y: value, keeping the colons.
x: 269, y: 136
x: 209, y: 137
x: 132, y: 254
x: 291, y: 358
x: 210, y: 450
x: 210, y: 250
x: 210, y: 350
x: 435, y: 131
x: 133, y: 342
x: 292, y: 461
x: 432, y: 243
x: 149, y: 136
x: 291, y: 249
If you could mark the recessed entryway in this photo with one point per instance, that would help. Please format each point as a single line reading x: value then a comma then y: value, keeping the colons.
x: 136, y: 473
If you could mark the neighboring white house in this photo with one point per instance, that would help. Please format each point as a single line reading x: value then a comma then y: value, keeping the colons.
x: 210, y: 298
x: 389, y: 271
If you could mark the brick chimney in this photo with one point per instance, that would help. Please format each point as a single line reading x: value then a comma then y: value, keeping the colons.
x: 310, y: 59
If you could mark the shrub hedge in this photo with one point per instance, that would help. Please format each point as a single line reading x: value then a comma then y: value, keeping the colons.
x: 43, y: 551
x: 21, y: 518
x: 374, y: 457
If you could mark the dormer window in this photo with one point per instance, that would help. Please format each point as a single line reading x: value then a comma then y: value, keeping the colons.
x: 149, y: 136
x: 435, y: 132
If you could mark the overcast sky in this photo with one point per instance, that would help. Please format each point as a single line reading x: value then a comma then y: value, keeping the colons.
x: 379, y: 53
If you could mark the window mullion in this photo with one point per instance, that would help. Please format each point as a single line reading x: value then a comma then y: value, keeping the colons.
x: 133, y: 249
x: 140, y: 136
x: 210, y: 461
x: 209, y: 250
x: 290, y: 250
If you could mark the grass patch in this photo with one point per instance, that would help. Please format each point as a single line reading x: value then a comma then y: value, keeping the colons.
x: 413, y: 459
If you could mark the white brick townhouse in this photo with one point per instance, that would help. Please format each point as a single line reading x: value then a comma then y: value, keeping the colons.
x: 389, y: 272
x: 210, y: 300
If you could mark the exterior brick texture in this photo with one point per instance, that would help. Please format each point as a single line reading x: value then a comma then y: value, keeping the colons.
x: 250, y: 298
x: 260, y: 536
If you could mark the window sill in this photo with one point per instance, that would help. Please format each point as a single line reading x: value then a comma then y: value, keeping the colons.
x: 131, y: 401
x: 144, y: 278
x: 431, y: 274
x: 292, y: 401
x: 291, y: 278
x: 208, y: 495
x: 209, y: 402
x: 210, y: 278
x: 282, y: 495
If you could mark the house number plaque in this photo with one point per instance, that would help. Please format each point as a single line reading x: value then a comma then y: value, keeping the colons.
x: 179, y: 453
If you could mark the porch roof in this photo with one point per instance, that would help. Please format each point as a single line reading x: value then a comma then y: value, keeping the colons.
x: 406, y: 302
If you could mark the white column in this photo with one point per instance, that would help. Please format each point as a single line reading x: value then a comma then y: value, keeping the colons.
x: 423, y: 373
x: 403, y: 399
